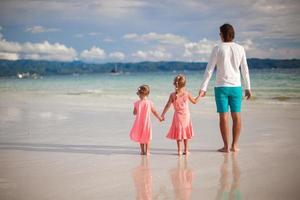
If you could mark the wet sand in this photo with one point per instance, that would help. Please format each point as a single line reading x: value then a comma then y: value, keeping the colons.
x: 77, y: 148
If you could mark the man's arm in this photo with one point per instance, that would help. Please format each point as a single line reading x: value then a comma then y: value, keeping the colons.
x: 209, y: 71
x: 246, y: 76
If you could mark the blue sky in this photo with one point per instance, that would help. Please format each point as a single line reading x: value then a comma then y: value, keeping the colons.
x: 138, y: 30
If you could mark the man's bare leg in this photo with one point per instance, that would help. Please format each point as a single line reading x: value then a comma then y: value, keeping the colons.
x: 236, y: 130
x: 224, y: 131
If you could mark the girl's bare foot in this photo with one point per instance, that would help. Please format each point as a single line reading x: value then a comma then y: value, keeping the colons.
x: 142, y: 153
x: 224, y: 150
x: 148, y: 154
x: 179, y: 153
x: 186, y: 153
x: 234, y: 149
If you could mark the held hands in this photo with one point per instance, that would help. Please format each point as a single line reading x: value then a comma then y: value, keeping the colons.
x: 198, y: 98
x: 202, y: 93
x: 162, y: 117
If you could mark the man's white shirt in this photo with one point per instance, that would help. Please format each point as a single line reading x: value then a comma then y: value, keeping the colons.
x: 230, y: 59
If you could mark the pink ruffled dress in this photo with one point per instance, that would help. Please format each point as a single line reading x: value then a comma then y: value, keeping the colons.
x: 181, y: 127
x: 142, y: 129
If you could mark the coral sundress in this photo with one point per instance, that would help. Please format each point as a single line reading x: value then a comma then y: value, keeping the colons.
x: 142, y: 129
x: 181, y: 127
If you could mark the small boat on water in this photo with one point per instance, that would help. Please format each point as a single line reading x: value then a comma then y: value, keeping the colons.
x: 115, y: 71
x: 28, y: 75
x: 23, y: 75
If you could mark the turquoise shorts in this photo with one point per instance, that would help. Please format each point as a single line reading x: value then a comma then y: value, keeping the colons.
x: 228, y: 97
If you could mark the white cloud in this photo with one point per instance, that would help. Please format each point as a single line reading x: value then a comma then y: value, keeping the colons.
x: 167, y: 38
x: 131, y: 36
x: 247, y: 44
x: 11, y: 50
x: 117, y: 55
x: 116, y: 8
x: 152, y: 55
x: 39, y: 51
x: 96, y: 54
x: 283, y: 53
x: 198, y: 51
x: 81, y: 35
x: 108, y: 40
x: 9, y: 56
x: 254, y: 50
x: 93, y: 54
x: 47, y: 51
x: 94, y: 33
x: 40, y: 29
x: 78, y: 35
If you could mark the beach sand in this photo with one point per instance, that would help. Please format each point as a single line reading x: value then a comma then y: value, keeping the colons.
x: 66, y: 147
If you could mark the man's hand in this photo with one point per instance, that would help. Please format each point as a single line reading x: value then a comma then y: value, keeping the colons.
x: 248, y: 94
x: 202, y: 93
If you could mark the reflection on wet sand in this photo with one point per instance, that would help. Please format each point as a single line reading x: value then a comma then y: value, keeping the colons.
x: 182, y: 177
x: 227, y: 189
x: 142, y: 178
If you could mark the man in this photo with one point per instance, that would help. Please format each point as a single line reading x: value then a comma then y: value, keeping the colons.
x: 229, y: 58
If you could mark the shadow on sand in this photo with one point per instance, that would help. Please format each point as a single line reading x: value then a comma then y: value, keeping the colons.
x: 89, y: 149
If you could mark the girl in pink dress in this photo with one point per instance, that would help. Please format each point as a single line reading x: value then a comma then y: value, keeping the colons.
x: 181, y: 128
x: 141, y: 131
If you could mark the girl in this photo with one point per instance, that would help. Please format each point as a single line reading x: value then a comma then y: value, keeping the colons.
x: 142, y: 130
x: 181, y: 128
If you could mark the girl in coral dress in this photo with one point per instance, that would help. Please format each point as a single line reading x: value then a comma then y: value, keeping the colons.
x: 141, y: 131
x: 181, y: 128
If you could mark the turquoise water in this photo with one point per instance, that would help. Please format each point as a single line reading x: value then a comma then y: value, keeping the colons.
x: 275, y: 84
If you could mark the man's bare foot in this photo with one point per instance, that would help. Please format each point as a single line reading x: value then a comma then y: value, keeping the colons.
x: 186, y: 153
x: 234, y: 149
x: 179, y: 153
x: 224, y: 150
x: 148, y: 154
x: 142, y: 153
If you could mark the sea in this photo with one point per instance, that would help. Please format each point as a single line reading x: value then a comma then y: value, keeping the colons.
x: 268, y: 85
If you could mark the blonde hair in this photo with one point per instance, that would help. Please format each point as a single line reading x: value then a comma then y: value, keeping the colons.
x: 144, y: 90
x: 179, y: 82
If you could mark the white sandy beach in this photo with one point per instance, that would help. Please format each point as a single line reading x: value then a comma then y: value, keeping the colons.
x: 74, y: 147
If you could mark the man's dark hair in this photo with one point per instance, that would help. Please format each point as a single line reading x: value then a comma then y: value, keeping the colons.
x: 227, y: 32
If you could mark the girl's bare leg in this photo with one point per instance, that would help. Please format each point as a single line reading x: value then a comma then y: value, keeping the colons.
x: 179, y: 147
x: 142, y: 149
x: 186, y: 146
x: 147, y: 152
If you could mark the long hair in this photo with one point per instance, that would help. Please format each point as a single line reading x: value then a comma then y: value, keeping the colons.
x: 179, y: 82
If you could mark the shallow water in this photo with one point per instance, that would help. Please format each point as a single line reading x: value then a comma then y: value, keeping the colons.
x: 270, y: 84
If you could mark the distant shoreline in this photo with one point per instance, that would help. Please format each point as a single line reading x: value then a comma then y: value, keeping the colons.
x: 45, y: 68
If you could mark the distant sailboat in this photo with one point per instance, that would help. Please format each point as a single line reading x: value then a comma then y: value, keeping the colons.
x: 114, y: 71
